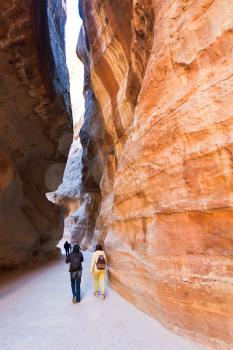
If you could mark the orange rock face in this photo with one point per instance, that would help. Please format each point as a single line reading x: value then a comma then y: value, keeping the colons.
x: 34, y: 131
x: 162, y: 74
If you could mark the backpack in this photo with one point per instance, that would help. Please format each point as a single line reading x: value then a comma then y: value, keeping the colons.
x: 75, y: 262
x: 101, y: 263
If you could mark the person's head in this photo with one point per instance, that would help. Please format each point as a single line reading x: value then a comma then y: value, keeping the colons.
x: 98, y: 247
x: 76, y: 248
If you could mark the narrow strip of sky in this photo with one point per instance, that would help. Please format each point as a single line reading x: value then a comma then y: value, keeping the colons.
x: 75, y: 67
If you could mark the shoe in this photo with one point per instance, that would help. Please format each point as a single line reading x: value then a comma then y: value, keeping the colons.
x: 74, y: 301
x: 96, y: 294
x: 102, y: 296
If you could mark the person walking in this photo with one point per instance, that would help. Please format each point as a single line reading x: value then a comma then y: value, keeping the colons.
x: 98, y: 268
x: 75, y: 259
x: 67, y: 247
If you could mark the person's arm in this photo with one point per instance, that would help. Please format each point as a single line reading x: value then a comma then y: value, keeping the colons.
x: 105, y: 258
x: 81, y: 258
x: 92, y: 263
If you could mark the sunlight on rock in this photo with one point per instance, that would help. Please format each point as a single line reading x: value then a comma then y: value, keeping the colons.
x: 149, y: 174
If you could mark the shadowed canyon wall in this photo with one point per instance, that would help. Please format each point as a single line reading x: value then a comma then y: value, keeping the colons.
x: 34, y: 131
x: 158, y: 156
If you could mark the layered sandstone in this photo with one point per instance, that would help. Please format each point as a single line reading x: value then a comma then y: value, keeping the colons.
x: 34, y: 132
x: 157, y: 140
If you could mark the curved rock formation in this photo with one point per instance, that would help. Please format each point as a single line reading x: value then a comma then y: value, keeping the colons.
x: 158, y: 152
x: 68, y: 194
x: 34, y: 133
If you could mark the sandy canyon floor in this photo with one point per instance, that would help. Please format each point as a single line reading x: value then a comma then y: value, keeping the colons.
x: 36, y: 313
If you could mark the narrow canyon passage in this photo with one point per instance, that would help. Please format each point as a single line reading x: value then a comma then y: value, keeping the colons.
x: 37, y: 313
x: 127, y: 143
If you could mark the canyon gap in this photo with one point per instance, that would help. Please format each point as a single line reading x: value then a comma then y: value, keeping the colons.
x: 156, y: 169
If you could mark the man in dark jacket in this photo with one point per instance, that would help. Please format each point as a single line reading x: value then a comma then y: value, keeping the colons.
x: 75, y: 259
x: 67, y: 247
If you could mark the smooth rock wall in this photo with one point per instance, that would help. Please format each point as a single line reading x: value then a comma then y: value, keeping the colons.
x: 34, y: 131
x: 159, y: 86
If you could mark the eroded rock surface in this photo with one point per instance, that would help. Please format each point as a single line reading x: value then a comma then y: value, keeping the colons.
x: 157, y: 140
x: 34, y: 132
x: 68, y: 194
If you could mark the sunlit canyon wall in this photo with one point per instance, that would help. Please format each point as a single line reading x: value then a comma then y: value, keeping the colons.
x: 157, y: 160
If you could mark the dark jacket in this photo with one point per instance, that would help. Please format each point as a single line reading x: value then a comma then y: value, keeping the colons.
x: 67, y: 245
x: 75, y: 259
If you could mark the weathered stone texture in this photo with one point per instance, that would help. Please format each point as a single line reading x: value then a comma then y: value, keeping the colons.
x: 161, y: 74
x: 34, y: 133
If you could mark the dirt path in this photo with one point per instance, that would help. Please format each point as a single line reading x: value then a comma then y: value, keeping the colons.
x: 36, y: 313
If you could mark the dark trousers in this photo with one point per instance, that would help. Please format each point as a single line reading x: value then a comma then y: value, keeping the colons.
x: 75, y: 278
x: 67, y: 252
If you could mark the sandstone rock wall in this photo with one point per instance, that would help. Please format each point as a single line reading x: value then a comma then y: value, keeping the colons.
x: 157, y: 141
x: 68, y: 195
x: 34, y: 133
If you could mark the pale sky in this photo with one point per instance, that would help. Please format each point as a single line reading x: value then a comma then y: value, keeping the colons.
x: 75, y: 66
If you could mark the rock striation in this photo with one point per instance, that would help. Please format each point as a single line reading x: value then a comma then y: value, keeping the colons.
x: 34, y: 131
x: 157, y: 156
